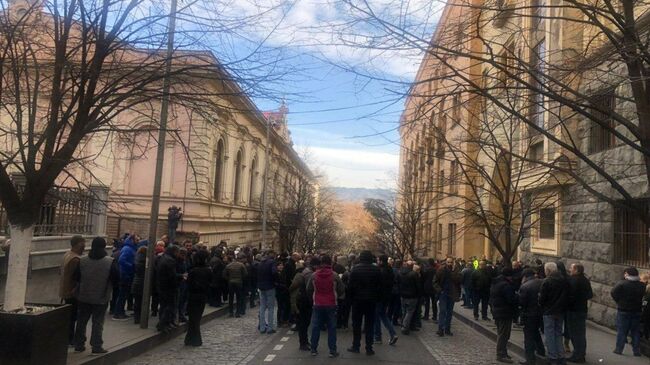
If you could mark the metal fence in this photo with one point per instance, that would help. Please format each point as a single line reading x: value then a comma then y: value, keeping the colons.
x: 631, y: 237
x: 65, y: 211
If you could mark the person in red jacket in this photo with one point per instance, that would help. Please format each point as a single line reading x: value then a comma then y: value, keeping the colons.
x: 324, y: 287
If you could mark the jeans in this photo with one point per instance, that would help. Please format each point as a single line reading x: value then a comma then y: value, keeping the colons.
x: 381, y: 317
x: 504, y: 328
x: 628, y: 323
x: 267, y: 310
x: 125, y: 290
x: 533, y: 338
x: 577, y: 325
x: 86, y: 311
x: 236, y: 293
x: 467, y: 297
x: 363, y: 312
x: 395, y: 308
x: 446, y: 307
x: 321, y: 316
x: 553, y: 336
x: 428, y: 300
x: 482, y: 298
x: 408, y: 310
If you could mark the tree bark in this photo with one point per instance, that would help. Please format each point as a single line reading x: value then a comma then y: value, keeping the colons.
x: 16, y: 287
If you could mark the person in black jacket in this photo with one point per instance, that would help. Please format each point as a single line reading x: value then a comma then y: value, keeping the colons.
x: 481, y: 282
x: 381, y: 310
x: 198, y: 286
x: 628, y: 295
x: 137, y: 285
x: 531, y: 314
x: 428, y: 293
x: 364, y: 284
x: 553, y: 297
x: 504, y: 305
x: 580, y: 292
x: 216, y: 266
x: 168, y: 281
x: 409, y: 290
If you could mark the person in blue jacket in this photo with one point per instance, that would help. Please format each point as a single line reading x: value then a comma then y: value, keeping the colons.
x: 126, y: 263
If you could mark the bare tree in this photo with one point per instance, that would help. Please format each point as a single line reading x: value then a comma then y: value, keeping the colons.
x: 70, y: 71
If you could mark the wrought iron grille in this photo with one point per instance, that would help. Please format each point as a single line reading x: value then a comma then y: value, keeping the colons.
x: 631, y: 236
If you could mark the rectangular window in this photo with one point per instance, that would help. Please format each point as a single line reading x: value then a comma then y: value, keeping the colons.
x: 601, y: 137
x: 456, y: 110
x: 439, y: 240
x: 451, y: 239
x: 453, y: 178
x: 538, y: 101
x: 547, y: 223
x: 536, y: 152
x: 631, y: 241
x: 441, y: 182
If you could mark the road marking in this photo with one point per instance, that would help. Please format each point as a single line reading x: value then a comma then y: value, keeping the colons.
x: 269, y: 358
x: 289, y: 332
x: 284, y: 339
x: 278, y: 347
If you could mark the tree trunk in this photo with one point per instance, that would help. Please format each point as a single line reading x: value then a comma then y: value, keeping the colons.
x: 16, y: 286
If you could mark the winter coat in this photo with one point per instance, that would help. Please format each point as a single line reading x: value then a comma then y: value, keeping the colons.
x: 481, y: 281
x: 137, y: 287
x: 447, y: 282
x: 325, y: 287
x: 387, y: 282
x: 217, y: 267
x: 579, y: 294
x: 528, y: 298
x: 427, y: 280
x: 503, y: 300
x: 267, y: 272
x: 365, y: 282
x: 127, y: 261
x: 467, y: 277
x: 408, y: 284
x: 554, y: 294
x: 198, y: 282
x: 235, y: 273
x: 168, y: 279
x: 628, y: 295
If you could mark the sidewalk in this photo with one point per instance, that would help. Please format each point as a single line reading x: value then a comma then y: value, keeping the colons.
x: 600, y: 340
x: 124, y: 339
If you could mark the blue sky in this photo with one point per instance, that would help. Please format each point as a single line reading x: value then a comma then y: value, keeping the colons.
x: 345, y: 101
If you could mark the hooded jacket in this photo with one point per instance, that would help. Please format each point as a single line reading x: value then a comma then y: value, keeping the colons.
x: 127, y: 260
x: 365, y: 282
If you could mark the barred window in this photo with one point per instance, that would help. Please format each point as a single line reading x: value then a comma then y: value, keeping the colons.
x: 631, y: 241
x: 601, y: 137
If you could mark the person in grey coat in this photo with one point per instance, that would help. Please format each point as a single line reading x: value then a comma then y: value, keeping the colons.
x: 94, y: 274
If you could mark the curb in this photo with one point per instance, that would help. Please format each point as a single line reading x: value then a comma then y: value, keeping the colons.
x: 513, y: 347
x: 143, y: 344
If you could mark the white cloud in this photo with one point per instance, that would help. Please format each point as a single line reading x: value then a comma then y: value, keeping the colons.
x: 354, y: 168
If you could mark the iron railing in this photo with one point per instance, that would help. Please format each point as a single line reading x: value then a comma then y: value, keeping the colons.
x: 631, y: 237
x: 65, y: 211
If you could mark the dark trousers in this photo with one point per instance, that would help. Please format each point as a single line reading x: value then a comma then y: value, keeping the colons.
x: 284, y: 306
x: 125, y: 291
x: 395, y: 309
x: 236, y: 291
x: 86, y: 311
x: 363, y: 311
x: 343, y: 313
x: 214, y: 296
x: 504, y: 327
x: 483, y: 298
x: 182, y: 301
x: 628, y: 323
x: 137, y: 307
x: 533, y: 338
x: 446, y: 308
x: 73, y: 318
x: 195, y: 308
x: 114, y: 296
x: 577, y: 326
x: 154, y: 304
x: 323, y: 316
x: 167, y: 309
x: 304, y: 318
x: 430, y: 306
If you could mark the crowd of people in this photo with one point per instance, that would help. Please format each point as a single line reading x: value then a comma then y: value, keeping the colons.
x: 325, y: 292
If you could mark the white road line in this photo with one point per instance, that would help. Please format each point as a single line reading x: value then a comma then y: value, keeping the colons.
x: 278, y: 347
x: 269, y: 358
x: 289, y: 332
x: 284, y: 339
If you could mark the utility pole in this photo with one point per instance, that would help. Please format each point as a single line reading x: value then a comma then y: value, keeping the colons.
x: 266, y: 184
x: 160, y: 156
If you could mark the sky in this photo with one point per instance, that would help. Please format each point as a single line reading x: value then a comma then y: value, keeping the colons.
x: 344, y: 100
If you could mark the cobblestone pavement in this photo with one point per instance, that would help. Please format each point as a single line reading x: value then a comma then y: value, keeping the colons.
x: 226, y: 341
x: 465, y: 347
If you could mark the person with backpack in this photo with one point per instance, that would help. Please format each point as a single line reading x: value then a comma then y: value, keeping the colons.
x: 324, y: 287
x: 301, y: 302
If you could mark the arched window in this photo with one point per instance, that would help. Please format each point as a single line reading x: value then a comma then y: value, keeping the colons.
x: 218, y: 169
x: 238, y: 171
x: 252, y: 193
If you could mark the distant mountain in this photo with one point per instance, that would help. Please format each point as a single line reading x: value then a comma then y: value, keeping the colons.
x: 361, y: 194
